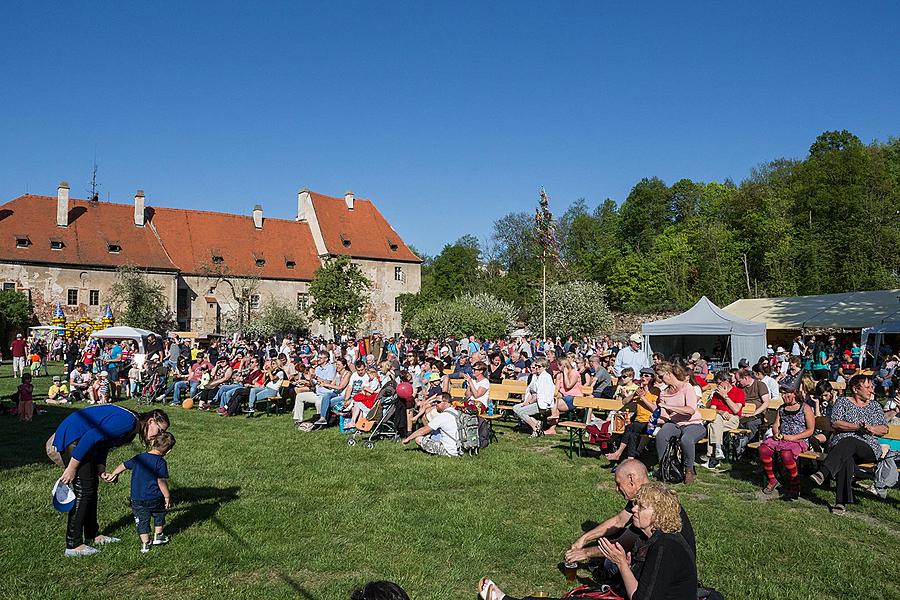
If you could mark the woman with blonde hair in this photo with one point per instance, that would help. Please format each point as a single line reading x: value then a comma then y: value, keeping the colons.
x: 568, y: 386
x: 678, y: 416
x: 664, y: 567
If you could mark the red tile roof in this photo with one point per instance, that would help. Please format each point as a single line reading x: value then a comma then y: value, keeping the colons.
x: 173, y: 239
x: 193, y: 237
x: 367, y: 231
x: 92, y: 226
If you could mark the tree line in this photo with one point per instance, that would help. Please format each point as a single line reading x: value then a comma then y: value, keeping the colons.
x: 827, y: 223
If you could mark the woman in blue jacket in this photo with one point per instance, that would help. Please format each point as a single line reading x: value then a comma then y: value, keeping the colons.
x: 83, y: 440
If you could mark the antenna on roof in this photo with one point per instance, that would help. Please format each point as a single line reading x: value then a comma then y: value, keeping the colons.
x: 94, y: 195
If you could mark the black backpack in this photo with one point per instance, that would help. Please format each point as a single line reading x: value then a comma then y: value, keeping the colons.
x: 484, y: 433
x: 671, y: 465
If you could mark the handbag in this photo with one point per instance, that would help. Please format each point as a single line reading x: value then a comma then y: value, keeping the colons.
x: 604, y: 592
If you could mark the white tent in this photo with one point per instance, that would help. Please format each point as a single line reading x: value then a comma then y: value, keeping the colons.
x: 878, y: 331
x: 703, y: 326
x: 124, y: 333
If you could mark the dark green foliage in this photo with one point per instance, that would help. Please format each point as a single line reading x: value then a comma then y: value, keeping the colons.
x: 140, y: 302
x: 340, y: 292
x: 15, y: 314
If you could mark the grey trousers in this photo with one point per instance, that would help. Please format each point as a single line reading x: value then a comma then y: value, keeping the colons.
x: 689, y: 436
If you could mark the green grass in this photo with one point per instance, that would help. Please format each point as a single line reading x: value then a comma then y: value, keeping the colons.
x: 262, y: 511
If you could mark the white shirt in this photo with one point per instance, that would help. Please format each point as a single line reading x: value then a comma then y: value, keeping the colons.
x: 357, y: 382
x: 486, y: 386
x: 636, y: 359
x: 543, y: 388
x: 773, y: 387
x: 445, y: 424
x: 525, y: 349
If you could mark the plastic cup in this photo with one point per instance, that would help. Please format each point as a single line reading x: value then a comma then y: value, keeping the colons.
x: 571, y: 570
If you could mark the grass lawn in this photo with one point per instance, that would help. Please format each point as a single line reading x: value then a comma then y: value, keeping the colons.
x: 263, y: 511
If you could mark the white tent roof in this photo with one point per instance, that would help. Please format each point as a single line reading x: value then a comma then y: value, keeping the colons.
x: 122, y: 333
x: 704, y: 318
x: 850, y: 310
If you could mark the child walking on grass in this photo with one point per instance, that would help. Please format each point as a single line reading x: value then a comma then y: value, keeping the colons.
x: 149, y: 489
x: 25, y: 399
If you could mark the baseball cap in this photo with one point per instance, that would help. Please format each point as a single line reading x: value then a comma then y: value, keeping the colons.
x: 104, y: 374
x: 18, y: 336
x: 62, y: 496
x: 56, y: 378
x: 636, y: 338
x: 695, y: 356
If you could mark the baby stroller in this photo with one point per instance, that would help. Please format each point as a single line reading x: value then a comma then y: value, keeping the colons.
x: 379, y: 423
x: 152, y: 388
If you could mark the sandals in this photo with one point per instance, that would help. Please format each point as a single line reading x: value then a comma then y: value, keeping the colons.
x: 487, y: 590
x: 771, y: 487
x: 838, y: 509
x: 537, y: 433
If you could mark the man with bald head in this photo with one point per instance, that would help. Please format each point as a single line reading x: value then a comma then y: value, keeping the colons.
x: 631, y: 474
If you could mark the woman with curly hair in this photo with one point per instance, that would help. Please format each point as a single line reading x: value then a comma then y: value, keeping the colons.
x: 663, y: 567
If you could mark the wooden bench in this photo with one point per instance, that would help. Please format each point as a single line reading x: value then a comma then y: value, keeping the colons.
x: 576, y: 428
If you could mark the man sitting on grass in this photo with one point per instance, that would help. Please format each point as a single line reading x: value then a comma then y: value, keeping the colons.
x: 442, y: 423
x: 631, y: 474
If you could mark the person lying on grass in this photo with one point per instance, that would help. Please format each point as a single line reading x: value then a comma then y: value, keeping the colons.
x: 149, y: 488
x: 661, y: 567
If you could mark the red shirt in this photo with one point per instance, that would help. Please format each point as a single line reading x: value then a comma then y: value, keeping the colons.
x: 18, y: 348
x: 735, y: 394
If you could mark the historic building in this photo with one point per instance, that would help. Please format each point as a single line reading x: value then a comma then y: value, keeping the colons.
x: 66, y: 250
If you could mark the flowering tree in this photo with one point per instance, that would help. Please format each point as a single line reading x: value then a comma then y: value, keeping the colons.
x: 576, y: 308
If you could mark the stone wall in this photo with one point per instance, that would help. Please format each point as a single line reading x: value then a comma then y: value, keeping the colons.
x: 47, y: 285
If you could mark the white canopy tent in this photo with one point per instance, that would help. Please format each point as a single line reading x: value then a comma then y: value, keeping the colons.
x: 878, y: 331
x: 703, y: 326
x: 124, y: 333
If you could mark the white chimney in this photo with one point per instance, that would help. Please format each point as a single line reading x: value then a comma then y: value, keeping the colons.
x: 348, y: 199
x: 257, y: 216
x: 62, y: 204
x: 304, y: 205
x: 139, y: 208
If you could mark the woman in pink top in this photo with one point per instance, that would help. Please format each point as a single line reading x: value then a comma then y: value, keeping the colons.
x: 568, y: 387
x: 678, y: 416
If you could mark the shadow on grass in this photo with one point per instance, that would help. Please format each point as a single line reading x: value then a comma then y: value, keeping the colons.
x: 193, y: 505
x: 23, y: 444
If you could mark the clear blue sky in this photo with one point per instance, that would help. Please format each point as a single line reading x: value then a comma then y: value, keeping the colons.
x: 448, y: 115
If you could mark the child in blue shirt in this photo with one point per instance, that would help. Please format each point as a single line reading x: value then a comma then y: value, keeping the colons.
x: 149, y: 488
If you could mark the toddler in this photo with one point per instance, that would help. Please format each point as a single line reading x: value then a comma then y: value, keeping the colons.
x: 149, y: 489
x: 134, y: 381
x: 24, y: 399
x: 58, y: 392
x: 101, y: 388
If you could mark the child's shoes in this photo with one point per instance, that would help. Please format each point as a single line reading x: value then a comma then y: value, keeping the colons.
x: 160, y: 538
x: 145, y: 547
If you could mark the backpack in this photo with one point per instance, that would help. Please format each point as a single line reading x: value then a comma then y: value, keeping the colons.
x: 671, y: 465
x: 484, y: 433
x: 886, y: 475
x: 469, y: 439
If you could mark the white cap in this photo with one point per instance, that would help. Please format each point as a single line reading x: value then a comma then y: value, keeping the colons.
x: 636, y: 338
x: 63, y: 497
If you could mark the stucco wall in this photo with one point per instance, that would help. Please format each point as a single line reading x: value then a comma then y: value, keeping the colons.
x: 48, y: 285
x: 381, y: 315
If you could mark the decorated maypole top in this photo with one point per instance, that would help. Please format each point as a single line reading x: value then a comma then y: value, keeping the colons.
x: 546, y: 237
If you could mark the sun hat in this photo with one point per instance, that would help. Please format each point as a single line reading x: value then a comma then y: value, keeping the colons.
x: 63, y: 496
x: 695, y: 356
x: 104, y: 374
x: 780, y: 349
x: 636, y: 338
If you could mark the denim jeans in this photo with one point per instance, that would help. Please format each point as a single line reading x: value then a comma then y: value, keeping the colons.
x: 329, y: 399
x: 224, y: 393
x: 178, y: 389
x: 144, y: 509
x: 260, y: 394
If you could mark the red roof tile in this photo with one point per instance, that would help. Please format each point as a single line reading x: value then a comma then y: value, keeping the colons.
x: 193, y: 237
x: 92, y: 227
x: 367, y: 231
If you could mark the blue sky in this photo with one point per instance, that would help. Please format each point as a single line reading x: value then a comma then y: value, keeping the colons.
x: 448, y: 115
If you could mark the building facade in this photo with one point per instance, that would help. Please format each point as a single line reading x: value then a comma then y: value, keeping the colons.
x: 67, y: 251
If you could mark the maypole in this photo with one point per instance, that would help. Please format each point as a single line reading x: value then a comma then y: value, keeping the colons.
x: 546, y: 236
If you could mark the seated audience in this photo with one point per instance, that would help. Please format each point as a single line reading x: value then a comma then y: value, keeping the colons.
x: 794, y: 424
x: 678, y: 416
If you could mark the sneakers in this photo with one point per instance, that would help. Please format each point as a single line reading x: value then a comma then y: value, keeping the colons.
x: 711, y: 464
x: 160, y: 538
x: 145, y: 547
x: 321, y: 422
x: 105, y: 539
x: 250, y: 413
x: 86, y: 551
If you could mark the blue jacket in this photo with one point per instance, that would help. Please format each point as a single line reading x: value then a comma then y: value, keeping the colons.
x: 98, y: 428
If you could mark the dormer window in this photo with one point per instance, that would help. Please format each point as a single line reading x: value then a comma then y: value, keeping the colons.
x: 392, y: 245
x: 290, y: 264
x: 345, y: 241
x: 22, y: 241
x: 217, y: 259
x: 113, y: 248
x: 56, y: 244
x: 260, y: 262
